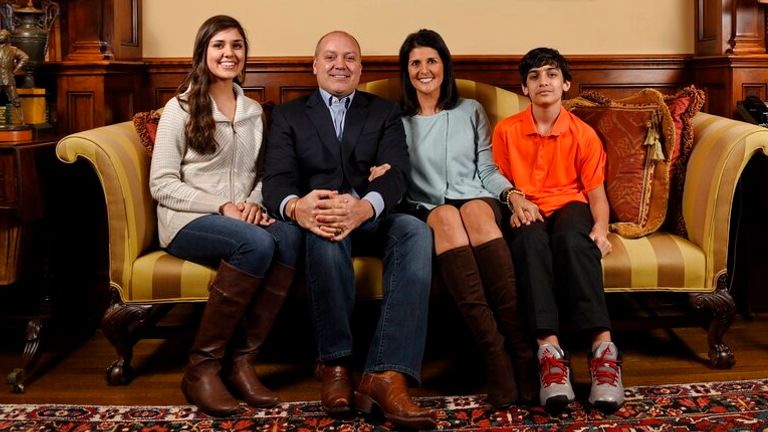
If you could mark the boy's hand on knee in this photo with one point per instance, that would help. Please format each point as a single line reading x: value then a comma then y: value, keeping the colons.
x: 600, y: 237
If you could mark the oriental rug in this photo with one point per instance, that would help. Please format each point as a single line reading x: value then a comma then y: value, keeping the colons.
x: 715, y: 406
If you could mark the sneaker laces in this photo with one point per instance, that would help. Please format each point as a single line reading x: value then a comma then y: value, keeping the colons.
x: 553, y: 370
x: 605, y: 370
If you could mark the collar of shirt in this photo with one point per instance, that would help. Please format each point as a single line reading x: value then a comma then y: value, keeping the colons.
x: 561, y: 123
x: 328, y: 98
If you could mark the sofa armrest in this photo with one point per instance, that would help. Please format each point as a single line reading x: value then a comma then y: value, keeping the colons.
x: 722, y: 148
x: 122, y: 166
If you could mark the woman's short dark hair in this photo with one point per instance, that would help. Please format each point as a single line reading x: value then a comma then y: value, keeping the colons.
x: 539, y: 57
x: 449, y: 93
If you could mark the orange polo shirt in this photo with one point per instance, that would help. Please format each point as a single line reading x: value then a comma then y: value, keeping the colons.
x: 551, y: 170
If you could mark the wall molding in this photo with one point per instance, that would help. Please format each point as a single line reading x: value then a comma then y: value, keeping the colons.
x: 275, y: 80
x: 279, y: 79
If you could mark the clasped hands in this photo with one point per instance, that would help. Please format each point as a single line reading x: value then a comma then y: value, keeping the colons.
x: 524, y: 212
x: 331, y: 215
x: 247, y: 212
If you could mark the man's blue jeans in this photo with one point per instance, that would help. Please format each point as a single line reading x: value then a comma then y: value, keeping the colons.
x: 405, y: 245
x: 247, y: 247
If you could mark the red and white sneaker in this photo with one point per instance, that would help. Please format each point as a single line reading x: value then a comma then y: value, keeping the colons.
x: 607, y: 392
x: 555, y: 378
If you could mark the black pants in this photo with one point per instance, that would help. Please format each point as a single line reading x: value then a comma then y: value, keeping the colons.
x: 555, y: 260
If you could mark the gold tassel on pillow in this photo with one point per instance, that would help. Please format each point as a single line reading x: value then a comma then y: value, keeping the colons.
x: 653, y: 139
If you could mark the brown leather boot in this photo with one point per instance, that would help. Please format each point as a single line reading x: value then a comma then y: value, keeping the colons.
x: 336, y: 387
x: 461, y: 277
x: 389, y: 392
x: 498, y: 273
x: 258, y: 322
x: 230, y: 293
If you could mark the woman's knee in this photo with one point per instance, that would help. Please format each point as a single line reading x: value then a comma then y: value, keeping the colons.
x: 479, y: 220
x: 445, y: 220
x: 256, y: 245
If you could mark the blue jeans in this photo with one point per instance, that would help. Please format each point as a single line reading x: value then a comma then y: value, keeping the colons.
x: 249, y: 248
x: 405, y: 245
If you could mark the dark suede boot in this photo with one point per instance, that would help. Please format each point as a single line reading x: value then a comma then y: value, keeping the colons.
x: 498, y: 274
x: 230, y: 293
x: 461, y: 277
x: 258, y: 322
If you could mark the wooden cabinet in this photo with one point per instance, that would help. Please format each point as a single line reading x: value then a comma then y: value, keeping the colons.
x: 101, y: 30
x: 729, y: 27
x: 730, y: 61
x: 99, y: 78
x: 21, y: 205
x: 51, y: 277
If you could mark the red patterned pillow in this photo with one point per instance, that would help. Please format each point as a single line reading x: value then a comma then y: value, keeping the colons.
x: 146, y: 126
x: 638, y: 134
x: 683, y: 105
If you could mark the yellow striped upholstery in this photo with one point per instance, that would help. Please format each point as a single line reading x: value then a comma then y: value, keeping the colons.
x: 722, y: 149
x: 661, y: 261
x: 498, y: 103
x: 122, y: 166
x: 161, y: 276
x: 657, y: 262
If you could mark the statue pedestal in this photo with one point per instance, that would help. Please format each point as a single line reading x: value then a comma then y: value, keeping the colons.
x: 15, y: 133
x: 32, y: 104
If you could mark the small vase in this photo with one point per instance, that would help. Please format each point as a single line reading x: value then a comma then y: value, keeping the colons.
x: 29, y: 32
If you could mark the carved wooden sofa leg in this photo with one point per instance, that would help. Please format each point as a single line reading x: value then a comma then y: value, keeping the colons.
x: 123, y: 325
x: 723, y: 309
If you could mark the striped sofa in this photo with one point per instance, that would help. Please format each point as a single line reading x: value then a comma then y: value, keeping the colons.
x: 145, y: 282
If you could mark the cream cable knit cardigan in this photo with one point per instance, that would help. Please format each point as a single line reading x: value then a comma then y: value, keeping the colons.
x: 187, y: 184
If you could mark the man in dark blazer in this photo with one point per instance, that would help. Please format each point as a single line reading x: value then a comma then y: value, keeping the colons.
x: 336, y: 165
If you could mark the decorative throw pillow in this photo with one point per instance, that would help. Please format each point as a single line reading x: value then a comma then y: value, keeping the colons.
x: 683, y: 105
x: 146, y: 126
x: 638, y: 135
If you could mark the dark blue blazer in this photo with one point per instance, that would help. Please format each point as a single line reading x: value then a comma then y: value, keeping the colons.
x: 304, y: 154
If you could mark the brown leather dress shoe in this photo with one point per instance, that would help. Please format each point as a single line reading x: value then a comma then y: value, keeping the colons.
x: 389, y: 392
x: 336, y: 389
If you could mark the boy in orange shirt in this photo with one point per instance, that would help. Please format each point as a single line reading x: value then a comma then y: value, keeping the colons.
x: 559, y: 228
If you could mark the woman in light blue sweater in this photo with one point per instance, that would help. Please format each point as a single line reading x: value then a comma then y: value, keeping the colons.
x: 205, y: 178
x: 457, y: 189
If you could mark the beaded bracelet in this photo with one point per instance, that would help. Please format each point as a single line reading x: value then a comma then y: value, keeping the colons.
x: 509, y: 192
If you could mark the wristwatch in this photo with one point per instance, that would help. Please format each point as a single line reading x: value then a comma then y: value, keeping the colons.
x: 504, y: 195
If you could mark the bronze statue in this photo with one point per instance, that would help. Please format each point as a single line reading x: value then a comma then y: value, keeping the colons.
x: 12, y: 60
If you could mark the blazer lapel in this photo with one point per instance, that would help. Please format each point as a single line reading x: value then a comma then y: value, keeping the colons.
x: 353, y: 123
x: 318, y: 112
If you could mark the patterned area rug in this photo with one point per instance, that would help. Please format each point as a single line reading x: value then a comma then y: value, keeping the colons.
x: 721, y: 406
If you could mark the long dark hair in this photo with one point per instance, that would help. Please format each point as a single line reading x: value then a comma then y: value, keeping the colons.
x: 200, y: 128
x: 449, y: 93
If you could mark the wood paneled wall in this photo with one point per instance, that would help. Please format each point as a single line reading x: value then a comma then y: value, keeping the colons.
x: 280, y: 79
x: 104, y: 79
x: 92, y: 94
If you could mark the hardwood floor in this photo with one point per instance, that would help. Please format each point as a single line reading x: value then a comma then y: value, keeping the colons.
x: 451, y: 365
